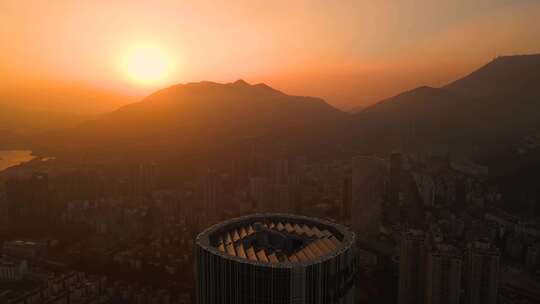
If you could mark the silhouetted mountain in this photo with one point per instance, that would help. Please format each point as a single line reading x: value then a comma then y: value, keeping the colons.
x: 503, y: 78
x: 495, y: 104
x: 506, y: 95
x: 192, y: 118
x: 356, y: 109
x: 490, y: 107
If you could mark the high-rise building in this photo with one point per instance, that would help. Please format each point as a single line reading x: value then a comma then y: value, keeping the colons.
x: 461, y: 194
x: 282, y: 199
x: 296, y: 193
x: 28, y: 201
x: 412, y: 206
x: 412, y: 267
x: 481, y: 273
x: 443, y: 275
x: 142, y: 179
x: 280, y: 171
x: 532, y: 256
x: 12, y: 270
x: 346, y: 200
x: 4, y: 216
x: 276, y: 259
x: 515, y: 245
x: 367, y: 189
x: 210, y: 196
x: 395, y: 177
x: 260, y: 191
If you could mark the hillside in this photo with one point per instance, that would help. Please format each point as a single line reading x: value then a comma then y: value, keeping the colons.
x: 504, y: 77
x: 490, y: 108
x: 495, y: 104
x: 192, y: 118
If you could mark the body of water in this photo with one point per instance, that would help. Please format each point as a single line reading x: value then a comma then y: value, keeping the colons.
x: 10, y: 158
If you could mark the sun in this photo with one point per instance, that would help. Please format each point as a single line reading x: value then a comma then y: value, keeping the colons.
x: 146, y: 65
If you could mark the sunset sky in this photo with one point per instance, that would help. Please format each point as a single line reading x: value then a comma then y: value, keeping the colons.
x: 348, y: 52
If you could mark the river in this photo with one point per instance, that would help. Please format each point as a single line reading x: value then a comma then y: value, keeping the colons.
x: 10, y: 158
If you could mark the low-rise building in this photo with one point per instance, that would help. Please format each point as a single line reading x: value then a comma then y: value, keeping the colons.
x: 11, y: 270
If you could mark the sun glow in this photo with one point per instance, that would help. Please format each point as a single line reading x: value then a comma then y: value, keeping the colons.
x: 146, y: 65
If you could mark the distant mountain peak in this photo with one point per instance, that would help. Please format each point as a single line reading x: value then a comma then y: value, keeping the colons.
x: 498, y: 102
x: 264, y: 86
x: 516, y: 57
x: 515, y: 61
x: 503, y: 76
x: 201, y: 116
x: 241, y: 82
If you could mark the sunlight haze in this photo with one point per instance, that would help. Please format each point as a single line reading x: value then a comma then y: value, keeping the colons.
x: 270, y: 152
x: 347, y: 52
x: 146, y: 64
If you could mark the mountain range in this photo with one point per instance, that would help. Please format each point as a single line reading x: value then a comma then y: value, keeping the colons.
x: 193, y: 118
x: 492, y: 105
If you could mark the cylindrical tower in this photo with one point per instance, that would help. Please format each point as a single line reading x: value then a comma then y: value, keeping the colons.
x: 277, y: 259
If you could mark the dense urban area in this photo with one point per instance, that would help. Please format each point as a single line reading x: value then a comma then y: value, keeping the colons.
x: 426, y: 225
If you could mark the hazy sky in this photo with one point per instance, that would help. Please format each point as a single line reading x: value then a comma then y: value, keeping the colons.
x: 348, y: 52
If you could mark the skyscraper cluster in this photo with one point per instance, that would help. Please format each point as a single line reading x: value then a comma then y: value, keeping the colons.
x: 437, y: 273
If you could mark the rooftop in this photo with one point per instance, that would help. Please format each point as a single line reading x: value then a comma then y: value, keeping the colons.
x: 276, y: 239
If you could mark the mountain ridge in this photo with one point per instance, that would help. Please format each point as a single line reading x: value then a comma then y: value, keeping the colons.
x: 205, y: 115
x: 497, y: 102
x: 194, y: 117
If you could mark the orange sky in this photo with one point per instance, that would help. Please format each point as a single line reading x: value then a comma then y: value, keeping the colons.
x: 348, y: 52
